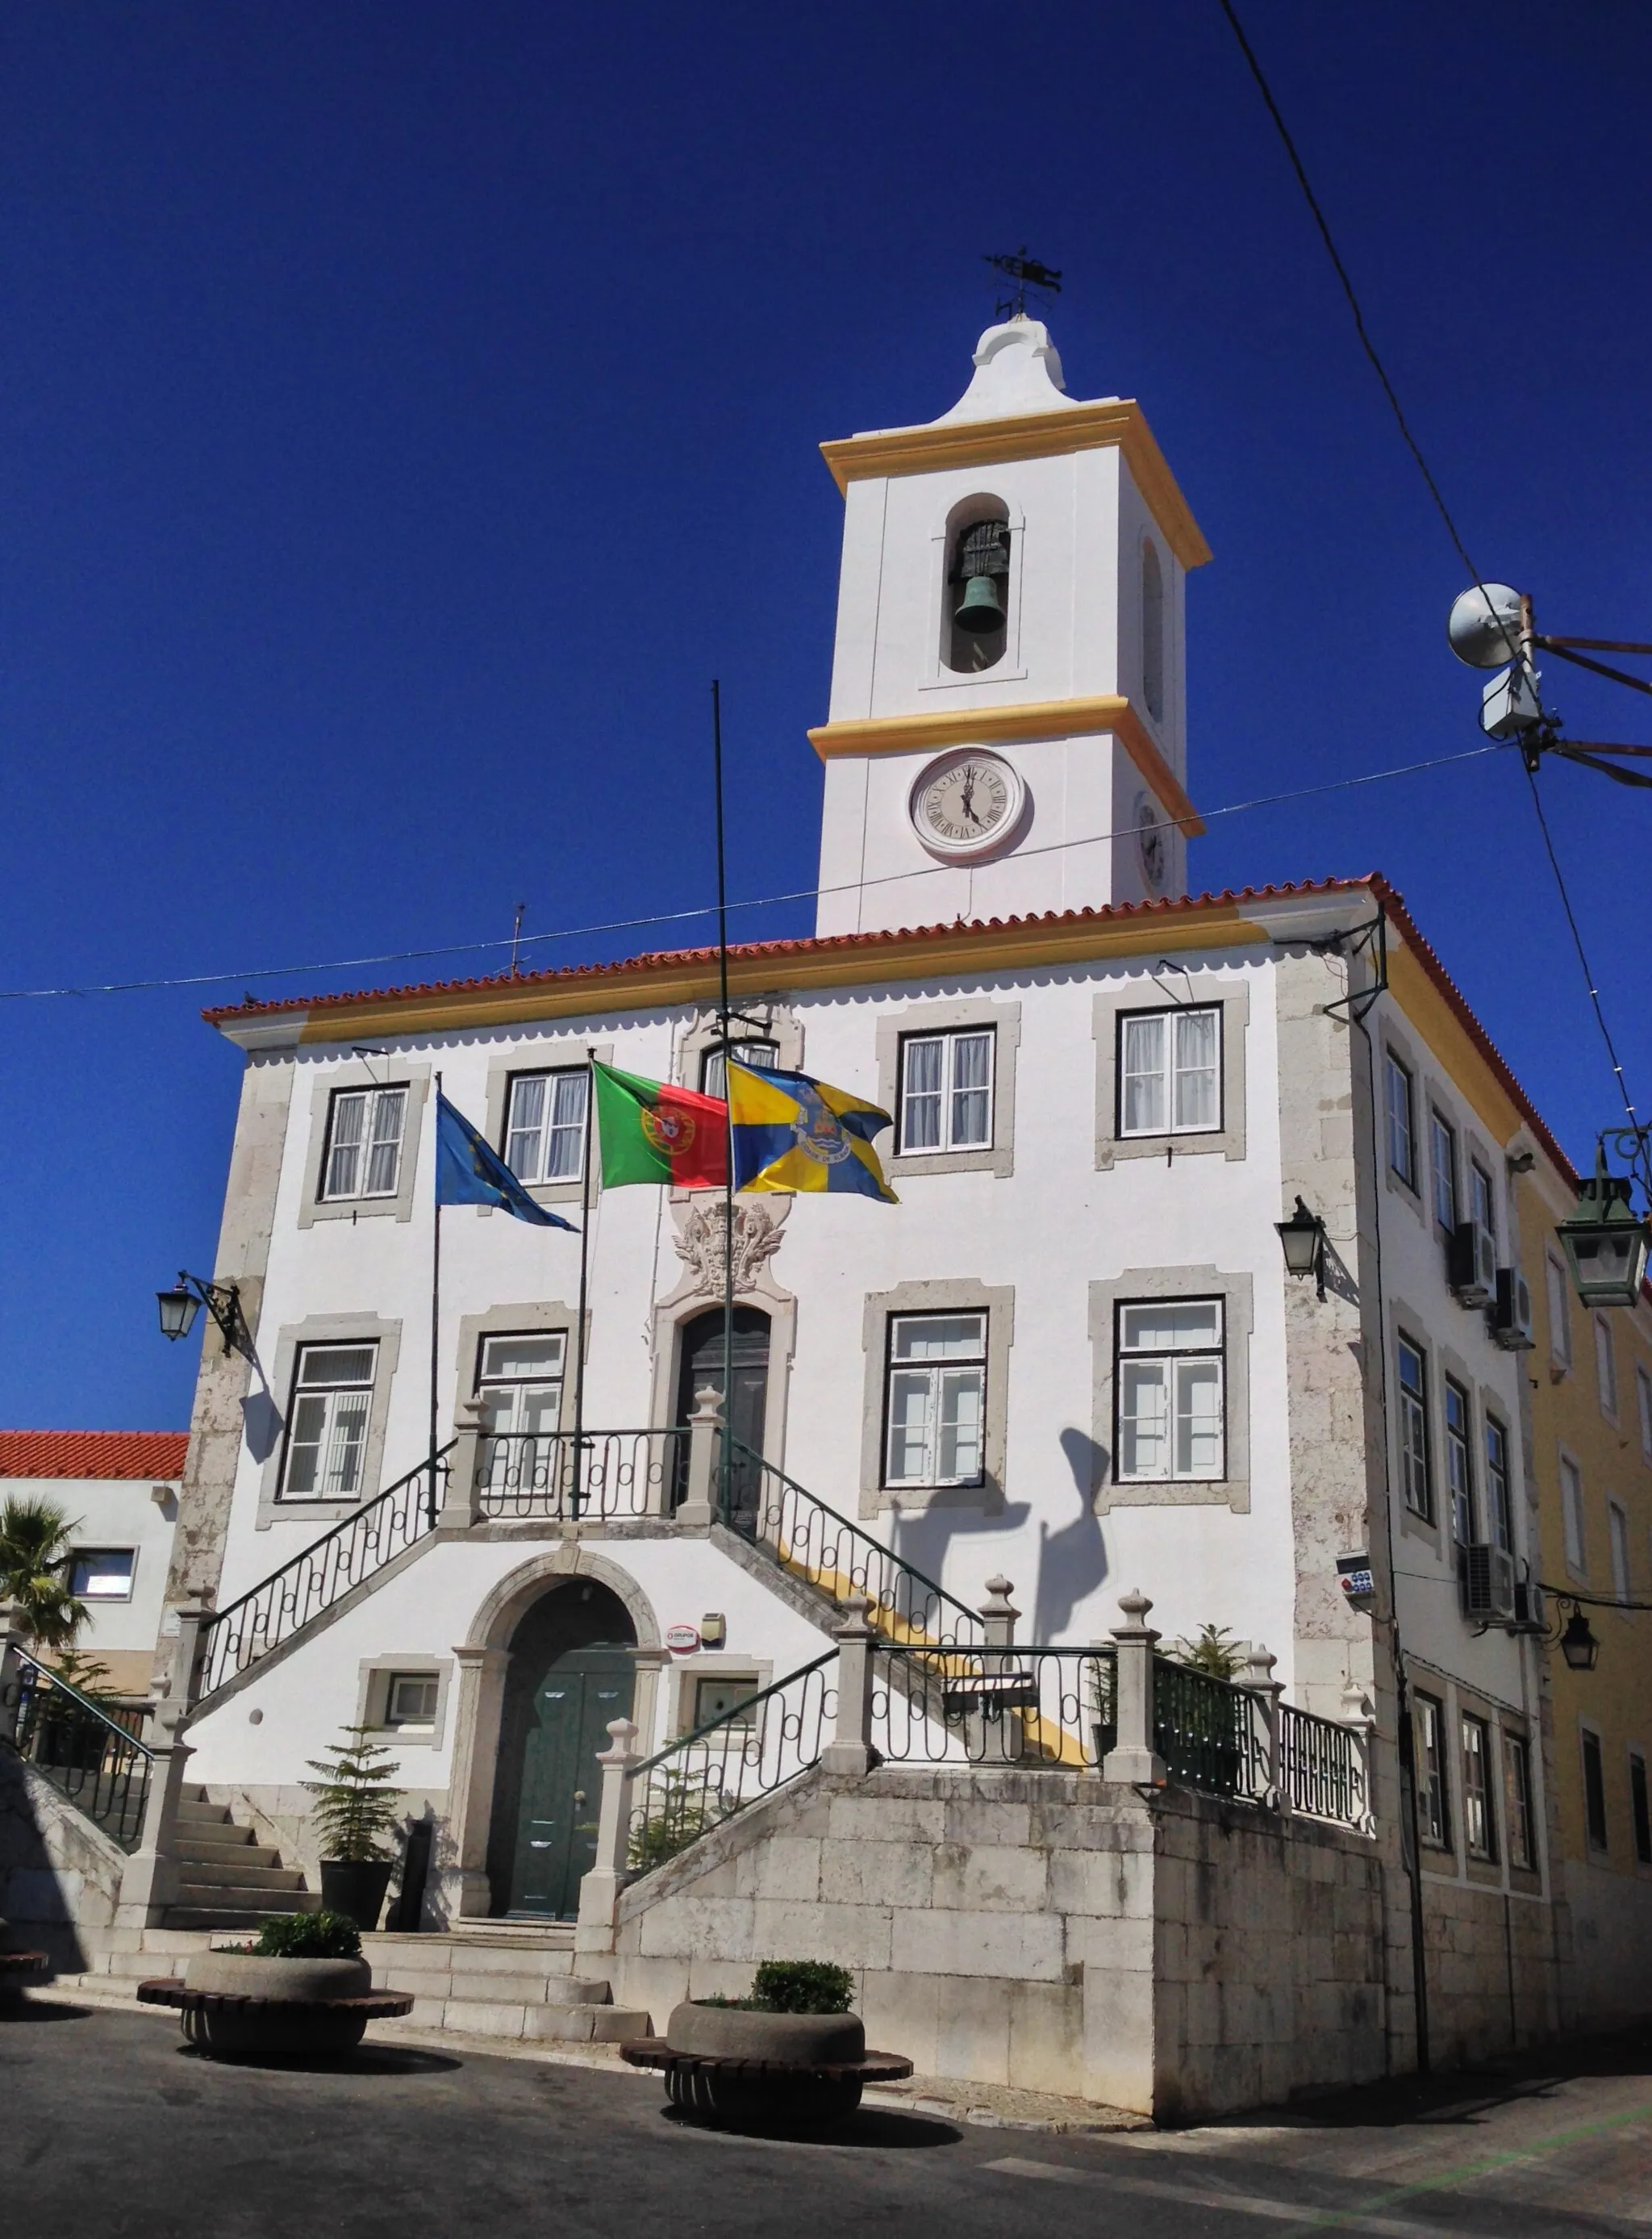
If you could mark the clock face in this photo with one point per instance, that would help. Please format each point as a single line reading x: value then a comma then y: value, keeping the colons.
x: 1150, y: 834
x: 966, y: 804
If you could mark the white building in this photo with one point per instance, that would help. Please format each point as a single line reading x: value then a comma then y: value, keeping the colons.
x: 119, y: 1492
x: 1071, y: 1357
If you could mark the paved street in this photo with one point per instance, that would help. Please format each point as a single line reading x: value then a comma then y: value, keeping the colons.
x: 109, y: 2128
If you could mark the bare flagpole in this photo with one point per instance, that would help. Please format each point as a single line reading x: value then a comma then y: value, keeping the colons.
x: 436, y: 1313
x: 728, y: 1152
x: 585, y: 1270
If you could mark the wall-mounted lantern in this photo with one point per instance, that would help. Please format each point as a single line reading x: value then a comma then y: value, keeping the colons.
x: 1303, y: 1240
x: 179, y: 1305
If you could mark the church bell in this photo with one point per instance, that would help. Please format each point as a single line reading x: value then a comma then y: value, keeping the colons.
x: 978, y: 611
x: 983, y: 557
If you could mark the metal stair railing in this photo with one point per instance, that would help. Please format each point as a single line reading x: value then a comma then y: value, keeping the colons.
x: 235, y: 1637
x: 90, y: 1754
x: 810, y: 1541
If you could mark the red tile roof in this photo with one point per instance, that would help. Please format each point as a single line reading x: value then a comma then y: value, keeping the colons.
x: 153, y: 1454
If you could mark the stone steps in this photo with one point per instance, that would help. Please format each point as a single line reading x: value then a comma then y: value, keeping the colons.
x: 499, y: 1979
x: 229, y: 1882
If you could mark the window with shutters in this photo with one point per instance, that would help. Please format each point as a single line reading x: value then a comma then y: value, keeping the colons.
x: 545, y: 1125
x: 1170, y: 1072
x: 364, y: 1133
x: 327, y: 1422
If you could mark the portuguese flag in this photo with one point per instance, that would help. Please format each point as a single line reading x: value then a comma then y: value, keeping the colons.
x: 652, y: 1133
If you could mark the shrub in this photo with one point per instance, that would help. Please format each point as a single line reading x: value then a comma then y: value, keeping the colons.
x: 356, y: 1809
x: 1212, y: 1650
x: 802, y: 1986
x: 308, y: 1935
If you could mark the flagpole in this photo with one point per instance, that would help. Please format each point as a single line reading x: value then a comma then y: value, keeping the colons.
x: 585, y: 1267
x: 728, y: 1106
x: 435, y: 1310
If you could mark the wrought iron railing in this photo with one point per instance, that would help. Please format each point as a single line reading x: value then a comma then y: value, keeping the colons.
x: 756, y: 1746
x: 601, y: 1474
x: 233, y: 1638
x: 837, y: 1557
x: 1031, y: 1707
x: 1210, y: 1734
x: 89, y: 1753
x: 1322, y: 1768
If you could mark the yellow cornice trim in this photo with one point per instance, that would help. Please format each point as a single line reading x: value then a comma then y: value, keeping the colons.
x: 1031, y: 436
x: 653, y: 985
x: 1037, y: 719
x: 1415, y: 990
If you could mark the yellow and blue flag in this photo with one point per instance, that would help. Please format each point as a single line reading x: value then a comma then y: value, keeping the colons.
x: 790, y: 1133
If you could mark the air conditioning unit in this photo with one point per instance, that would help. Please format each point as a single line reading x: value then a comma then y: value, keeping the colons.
x: 1532, y: 1607
x: 1487, y: 1576
x: 1511, y: 1312
x: 1472, y: 1269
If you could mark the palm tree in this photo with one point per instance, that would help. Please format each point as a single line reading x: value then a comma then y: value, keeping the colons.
x: 36, y: 1539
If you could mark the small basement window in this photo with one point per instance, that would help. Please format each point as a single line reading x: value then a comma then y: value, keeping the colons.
x: 102, y: 1574
x: 725, y: 1691
x: 411, y: 1698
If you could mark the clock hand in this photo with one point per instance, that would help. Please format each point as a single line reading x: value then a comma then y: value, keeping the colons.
x: 969, y: 797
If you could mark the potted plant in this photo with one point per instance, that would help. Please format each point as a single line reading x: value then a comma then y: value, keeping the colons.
x: 355, y: 1817
x: 281, y: 1995
x: 774, y: 2058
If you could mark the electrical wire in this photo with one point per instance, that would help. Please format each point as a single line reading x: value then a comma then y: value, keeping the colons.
x: 709, y: 909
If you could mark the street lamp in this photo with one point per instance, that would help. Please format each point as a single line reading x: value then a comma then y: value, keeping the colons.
x: 1577, y: 1644
x: 1605, y: 1241
x: 1303, y: 1239
x: 179, y: 1305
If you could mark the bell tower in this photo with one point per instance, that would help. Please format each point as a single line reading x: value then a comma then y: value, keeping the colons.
x: 1007, y: 732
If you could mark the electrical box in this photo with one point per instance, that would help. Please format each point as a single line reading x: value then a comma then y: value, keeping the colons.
x: 1355, y: 1577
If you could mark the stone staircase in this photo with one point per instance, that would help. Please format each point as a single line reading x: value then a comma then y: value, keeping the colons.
x: 227, y: 1877
x: 500, y: 1978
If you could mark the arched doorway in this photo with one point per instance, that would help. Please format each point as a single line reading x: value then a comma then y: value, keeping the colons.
x: 701, y: 1363
x: 569, y: 1675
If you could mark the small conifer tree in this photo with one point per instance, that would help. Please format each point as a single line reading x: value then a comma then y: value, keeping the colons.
x: 358, y: 1810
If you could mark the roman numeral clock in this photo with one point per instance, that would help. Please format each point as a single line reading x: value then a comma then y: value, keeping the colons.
x: 967, y: 804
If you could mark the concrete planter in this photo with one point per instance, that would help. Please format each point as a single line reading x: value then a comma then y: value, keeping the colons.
x: 765, y: 2071
x: 274, y: 2006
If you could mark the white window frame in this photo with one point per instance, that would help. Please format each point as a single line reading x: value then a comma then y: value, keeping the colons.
x: 1500, y: 1507
x: 551, y: 1130
x: 948, y: 1094
x: 395, y: 1721
x: 1170, y: 1072
x: 342, y: 1401
x: 1416, y: 1439
x: 1179, y: 1365
x: 1400, y: 1121
x: 1479, y: 1807
x: 957, y: 1370
x: 1617, y: 1542
x: 1605, y: 1366
x: 1459, y: 1457
x: 339, y: 1182
x: 1431, y: 1770
x: 1574, y: 1536
x: 519, y: 1457
x: 1442, y: 1163
x: 89, y: 1593
x: 1560, y: 1311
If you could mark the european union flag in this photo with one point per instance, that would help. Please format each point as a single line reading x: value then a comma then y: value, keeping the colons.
x: 790, y: 1133
x: 469, y: 1171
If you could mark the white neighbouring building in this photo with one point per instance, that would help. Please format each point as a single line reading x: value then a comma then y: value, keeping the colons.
x: 1071, y: 1357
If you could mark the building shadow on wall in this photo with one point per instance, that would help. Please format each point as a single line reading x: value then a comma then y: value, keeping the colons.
x: 923, y: 1539
x: 1073, y: 1559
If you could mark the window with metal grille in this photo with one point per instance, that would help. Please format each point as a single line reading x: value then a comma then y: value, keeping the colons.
x: 545, y: 1125
x: 1416, y: 1478
x: 1401, y: 1123
x: 1171, y: 1388
x: 1594, y: 1790
x: 1517, y: 1789
x: 1479, y: 1821
x: 1170, y: 1072
x: 947, y: 1091
x: 328, y: 1422
x: 364, y: 1143
x: 935, y: 1399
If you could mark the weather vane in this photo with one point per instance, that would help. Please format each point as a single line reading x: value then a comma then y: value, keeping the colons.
x: 1026, y: 272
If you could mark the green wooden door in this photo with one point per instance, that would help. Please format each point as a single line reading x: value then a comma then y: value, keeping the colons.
x: 565, y: 1724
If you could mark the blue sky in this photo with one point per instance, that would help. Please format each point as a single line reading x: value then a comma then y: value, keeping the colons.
x: 405, y: 409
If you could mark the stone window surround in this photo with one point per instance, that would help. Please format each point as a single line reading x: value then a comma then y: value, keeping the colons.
x: 964, y: 513
x: 1601, y: 1325
x: 1568, y: 1458
x: 1393, y: 1043
x: 567, y: 1056
x: 1439, y: 1693
x: 537, y: 1318
x: 1486, y: 1871
x: 1233, y: 997
x: 706, y: 1663
x: 1591, y: 1848
x: 328, y: 1329
x: 1562, y: 1345
x: 924, y: 1017
x: 1526, y: 1879
x: 1403, y: 1321
x: 943, y: 1295
x: 1455, y: 1696
x: 361, y: 1073
x: 373, y: 1693
x: 1232, y: 1491
x: 701, y: 1030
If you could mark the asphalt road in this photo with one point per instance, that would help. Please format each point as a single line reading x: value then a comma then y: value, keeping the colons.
x: 108, y: 2126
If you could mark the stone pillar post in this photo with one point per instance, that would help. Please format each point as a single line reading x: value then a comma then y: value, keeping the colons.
x: 1257, y: 1680
x: 705, y: 1451
x: 1358, y: 1717
x: 149, y: 1882
x: 997, y: 1736
x: 601, y: 1888
x: 850, y: 1750
x: 1134, y: 1756
x: 998, y: 1614
x: 11, y: 1641
x: 461, y: 1504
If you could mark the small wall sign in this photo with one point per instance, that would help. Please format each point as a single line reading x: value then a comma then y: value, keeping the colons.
x: 682, y: 1639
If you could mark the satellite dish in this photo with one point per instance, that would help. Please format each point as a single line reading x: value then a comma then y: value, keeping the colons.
x: 1483, y: 625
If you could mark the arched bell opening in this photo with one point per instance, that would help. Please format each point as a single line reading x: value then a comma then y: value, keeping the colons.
x: 570, y: 1673
x: 975, y: 609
